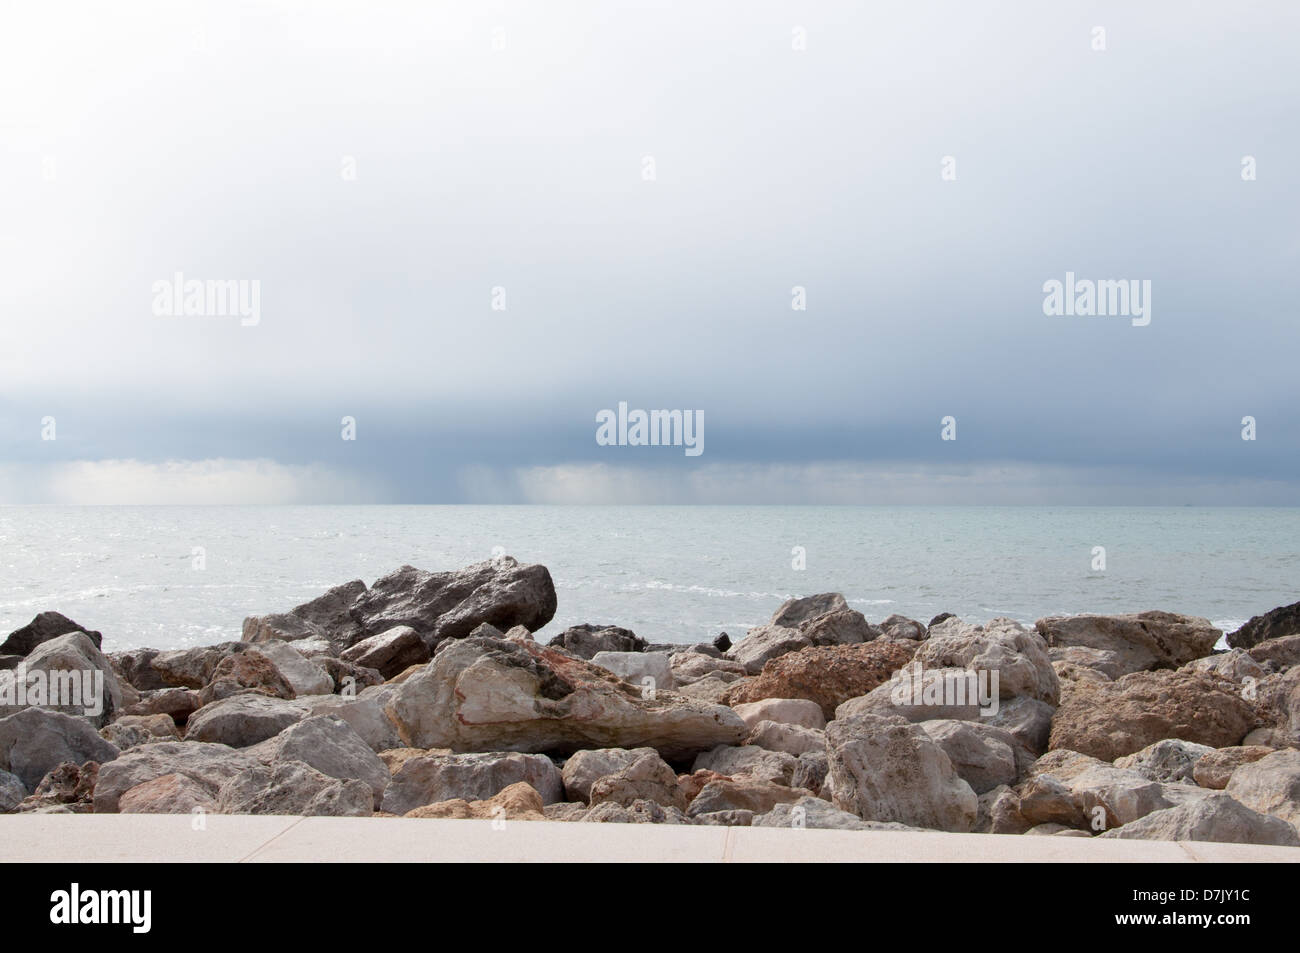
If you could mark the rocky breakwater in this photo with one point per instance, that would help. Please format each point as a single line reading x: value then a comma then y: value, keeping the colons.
x: 427, y: 695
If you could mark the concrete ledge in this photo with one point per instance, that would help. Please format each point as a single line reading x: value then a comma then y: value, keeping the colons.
x: 89, y: 838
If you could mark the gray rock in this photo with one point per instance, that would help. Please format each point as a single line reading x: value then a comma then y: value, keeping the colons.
x: 1217, y: 817
x: 748, y: 761
x: 886, y: 769
x: 500, y: 695
x: 743, y: 794
x: 815, y: 814
x: 982, y: 755
x: 764, y: 643
x: 1018, y: 655
x: 76, y: 676
x: 840, y: 627
x: 1138, y: 642
x: 243, y: 720
x: 210, y: 765
x: 303, y: 675
x: 688, y: 667
x: 12, y: 792
x: 1276, y: 623
x: 787, y: 711
x: 647, y: 778
x: 36, y: 740
x: 390, y: 652
x: 472, y: 777
x: 810, y: 771
x: 638, y: 812
x: 1236, y: 665
x: 328, y: 617
x: 584, y: 768
x: 192, y: 668
x: 45, y: 626
x: 135, y: 668
x: 292, y: 787
x: 364, y: 712
x: 795, y: 611
x: 1270, y: 785
x: 331, y: 746
x: 1169, y: 760
x: 725, y: 818
x: 636, y: 667
x: 788, y: 738
x: 586, y: 640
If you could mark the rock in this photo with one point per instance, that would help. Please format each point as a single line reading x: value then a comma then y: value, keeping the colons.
x: 168, y: 794
x: 828, y: 675
x: 1270, y: 785
x: 487, y: 694
x: 584, y: 768
x: 36, y: 740
x: 1112, y: 796
x: 450, y: 605
x: 1236, y: 665
x: 1045, y: 799
x: 810, y: 771
x: 192, y: 668
x: 43, y: 628
x: 1215, y: 767
x: 712, y: 689
x: 748, y: 761
x: 722, y: 643
x: 303, y: 675
x: 247, y: 672
x: 647, y: 778
x: 690, y: 785
x: 983, y: 756
x: 394, y: 758
x: 791, y: 739
x: 586, y: 640
x: 815, y: 814
x: 745, y: 794
x: 886, y: 769
x: 389, y: 652
x: 1018, y: 655
x: 795, y: 611
x: 131, y: 730
x: 636, y: 667
x: 941, y: 618
x: 1055, y: 830
x: 469, y: 777
x: 1274, y: 624
x: 67, y: 673
x: 939, y: 690
x: 348, y: 678
x: 364, y: 712
x: 1277, y: 700
x: 900, y: 628
x: 66, y: 785
x: 1137, y: 642
x: 328, y: 618
x: 1214, y: 818
x: 209, y: 765
x: 518, y: 802
x: 177, y: 703
x: 786, y: 711
x: 1029, y: 722
x: 1111, y: 719
x: 243, y: 720
x: 1280, y: 653
x: 725, y: 818
x: 12, y: 792
x: 764, y: 643
x: 291, y: 787
x: 1168, y: 760
x: 564, y: 811
x: 841, y: 627
x: 688, y: 667
x: 1074, y: 662
x: 331, y: 746
x: 639, y: 812
x: 135, y: 668
x: 998, y: 812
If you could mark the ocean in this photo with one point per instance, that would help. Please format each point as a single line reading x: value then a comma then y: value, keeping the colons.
x: 176, y: 576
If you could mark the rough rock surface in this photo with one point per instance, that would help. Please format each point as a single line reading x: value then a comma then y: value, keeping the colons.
x: 649, y: 778
x: 243, y: 720
x: 841, y: 627
x: 584, y: 768
x: 1018, y: 655
x: 1170, y: 759
x: 210, y: 765
x: 470, y: 777
x: 246, y: 672
x: 743, y: 794
x: 46, y: 626
x: 168, y: 794
x: 1111, y: 719
x: 887, y: 769
x: 291, y: 787
x: 1214, y: 818
x: 35, y: 741
x: 1270, y: 785
x: 982, y: 755
x: 748, y: 761
x: 586, y: 640
x: 786, y: 711
x: 1215, y: 768
x: 764, y: 643
x: 331, y: 746
x: 637, y: 667
x: 1134, y: 642
x: 795, y: 611
x: 815, y: 814
x: 827, y: 675
x: 791, y: 739
x: 74, y: 669
x: 1276, y: 623
x: 192, y: 668
x: 304, y: 676
x: 390, y: 651
x: 490, y: 694
x: 518, y: 802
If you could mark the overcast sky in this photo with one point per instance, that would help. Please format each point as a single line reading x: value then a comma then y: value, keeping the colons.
x: 504, y: 145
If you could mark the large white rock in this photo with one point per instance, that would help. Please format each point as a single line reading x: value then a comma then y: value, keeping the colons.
x: 787, y: 711
x: 302, y: 674
x: 1214, y: 818
x: 636, y: 667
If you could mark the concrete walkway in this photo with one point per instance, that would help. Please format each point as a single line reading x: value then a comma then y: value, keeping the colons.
x: 84, y: 838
